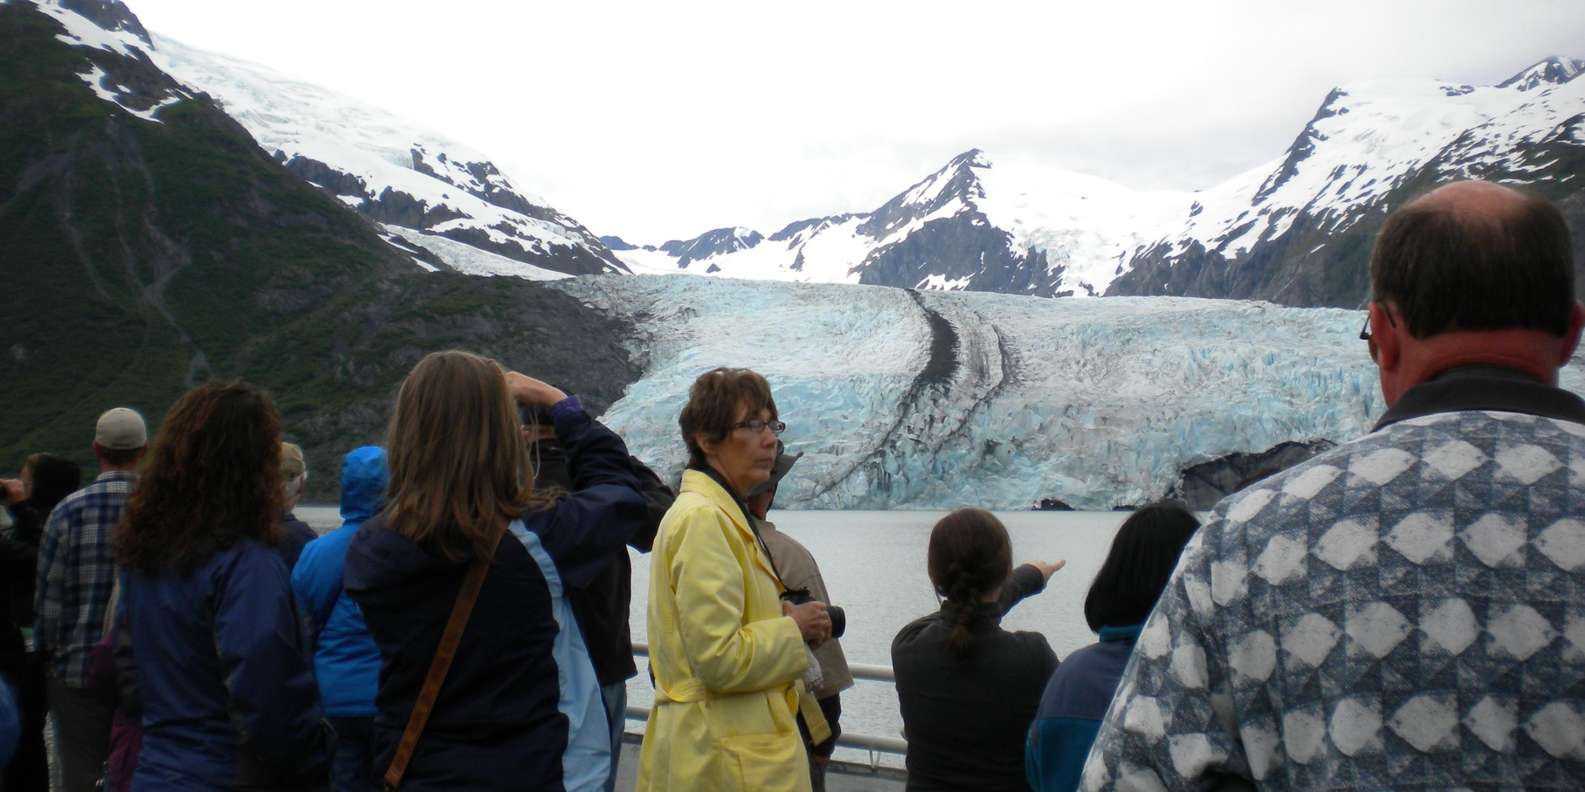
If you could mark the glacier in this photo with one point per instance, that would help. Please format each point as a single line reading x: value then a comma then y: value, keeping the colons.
x: 932, y: 400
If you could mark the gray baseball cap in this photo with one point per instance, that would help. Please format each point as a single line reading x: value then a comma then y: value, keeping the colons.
x: 121, y: 429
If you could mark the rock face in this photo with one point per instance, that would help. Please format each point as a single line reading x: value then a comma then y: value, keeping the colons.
x: 1205, y: 483
x: 149, y: 250
x: 719, y: 242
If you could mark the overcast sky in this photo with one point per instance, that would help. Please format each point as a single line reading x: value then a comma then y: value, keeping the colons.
x: 660, y: 120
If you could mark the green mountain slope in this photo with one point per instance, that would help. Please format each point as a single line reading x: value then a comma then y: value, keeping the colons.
x: 140, y: 257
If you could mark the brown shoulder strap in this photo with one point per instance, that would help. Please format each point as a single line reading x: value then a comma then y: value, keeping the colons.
x: 444, y: 654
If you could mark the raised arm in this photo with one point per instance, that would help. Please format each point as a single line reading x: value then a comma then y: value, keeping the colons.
x: 605, y: 508
x: 1027, y: 580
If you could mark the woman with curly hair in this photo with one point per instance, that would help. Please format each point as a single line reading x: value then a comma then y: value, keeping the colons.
x: 967, y: 688
x: 228, y: 694
x: 519, y: 706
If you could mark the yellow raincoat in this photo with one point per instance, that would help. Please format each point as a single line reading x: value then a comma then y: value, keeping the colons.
x: 728, y: 665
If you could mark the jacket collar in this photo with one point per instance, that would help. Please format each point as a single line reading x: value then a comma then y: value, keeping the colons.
x: 1495, y: 388
x: 1108, y: 633
x: 705, y: 481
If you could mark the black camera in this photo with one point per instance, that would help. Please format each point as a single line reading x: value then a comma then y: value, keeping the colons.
x: 839, y: 620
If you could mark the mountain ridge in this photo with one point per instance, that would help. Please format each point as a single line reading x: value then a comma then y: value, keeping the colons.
x: 1295, y: 230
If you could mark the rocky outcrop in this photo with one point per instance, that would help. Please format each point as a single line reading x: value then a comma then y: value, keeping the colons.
x: 1205, y: 483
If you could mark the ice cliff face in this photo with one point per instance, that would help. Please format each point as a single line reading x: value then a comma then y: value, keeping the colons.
x: 917, y: 399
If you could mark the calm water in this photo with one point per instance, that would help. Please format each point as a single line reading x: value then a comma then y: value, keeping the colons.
x: 874, y: 566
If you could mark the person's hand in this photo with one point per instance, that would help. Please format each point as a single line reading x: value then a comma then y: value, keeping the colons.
x: 1047, y: 570
x: 12, y: 491
x: 813, y: 621
x: 529, y: 391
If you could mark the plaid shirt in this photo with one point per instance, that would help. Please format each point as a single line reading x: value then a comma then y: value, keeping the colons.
x: 76, y: 572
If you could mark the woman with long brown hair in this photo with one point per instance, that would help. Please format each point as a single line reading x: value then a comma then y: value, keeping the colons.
x: 228, y: 695
x: 520, y: 705
x: 967, y: 688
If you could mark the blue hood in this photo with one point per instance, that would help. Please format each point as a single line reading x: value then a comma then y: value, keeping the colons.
x: 364, y: 475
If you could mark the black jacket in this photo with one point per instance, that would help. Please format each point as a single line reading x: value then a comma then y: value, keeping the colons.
x: 602, y: 606
x: 966, y: 717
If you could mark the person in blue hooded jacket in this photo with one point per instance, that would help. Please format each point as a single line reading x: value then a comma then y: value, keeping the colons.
x: 520, y: 706
x: 228, y: 693
x: 346, y: 660
x: 1136, y: 569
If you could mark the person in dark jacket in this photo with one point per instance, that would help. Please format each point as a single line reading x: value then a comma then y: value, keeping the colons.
x: 229, y: 700
x: 295, y: 534
x: 603, y: 606
x: 346, y: 661
x: 1142, y: 558
x: 46, y: 481
x: 520, y: 707
x: 967, y: 688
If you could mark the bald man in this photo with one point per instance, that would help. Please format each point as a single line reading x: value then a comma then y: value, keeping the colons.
x: 1408, y: 609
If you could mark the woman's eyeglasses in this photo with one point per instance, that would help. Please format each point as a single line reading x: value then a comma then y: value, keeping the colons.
x: 756, y: 426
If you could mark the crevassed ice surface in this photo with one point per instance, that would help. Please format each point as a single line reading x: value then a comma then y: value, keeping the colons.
x: 902, y: 399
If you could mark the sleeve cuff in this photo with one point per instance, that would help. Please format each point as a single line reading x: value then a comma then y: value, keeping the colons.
x: 566, y: 408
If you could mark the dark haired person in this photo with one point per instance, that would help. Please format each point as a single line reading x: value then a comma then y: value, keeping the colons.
x: 1403, y: 610
x: 75, y: 574
x: 520, y: 707
x: 728, y: 655
x: 603, y: 607
x: 796, y: 568
x: 1136, y: 568
x: 28, y: 501
x: 227, y: 691
x: 966, y: 687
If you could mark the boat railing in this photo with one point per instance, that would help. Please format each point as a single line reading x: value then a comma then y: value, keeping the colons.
x: 874, y: 745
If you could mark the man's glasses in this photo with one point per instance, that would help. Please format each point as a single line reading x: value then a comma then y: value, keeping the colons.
x: 756, y: 426
x: 1364, y: 332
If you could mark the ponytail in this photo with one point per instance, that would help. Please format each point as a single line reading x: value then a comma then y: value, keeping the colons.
x: 970, y: 556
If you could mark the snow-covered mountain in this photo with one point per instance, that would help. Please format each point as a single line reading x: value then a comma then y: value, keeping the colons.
x: 1299, y: 232
x: 1294, y: 230
x: 1010, y: 226
x: 919, y: 399
x: 436, y: 199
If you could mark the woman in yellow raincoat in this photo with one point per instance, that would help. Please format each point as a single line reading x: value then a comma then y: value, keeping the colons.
x: 728, y: 656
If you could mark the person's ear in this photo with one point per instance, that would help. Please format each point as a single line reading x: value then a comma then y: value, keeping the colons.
x: 1385, y: 336
x: 706, y: 443
x: 1576, y: 322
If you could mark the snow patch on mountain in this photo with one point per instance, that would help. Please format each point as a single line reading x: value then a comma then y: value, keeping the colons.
x: 121, y: 96
x: 468, y: 259
x: 84, y: 32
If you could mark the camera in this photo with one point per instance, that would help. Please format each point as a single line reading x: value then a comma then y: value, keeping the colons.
x: 839, y: 620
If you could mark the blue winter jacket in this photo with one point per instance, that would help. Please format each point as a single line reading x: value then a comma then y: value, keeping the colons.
x: 228, y: 694
x: 520, y: 707
x: 346, y: 660
x: 1072, y: 708
x: 10, y: 722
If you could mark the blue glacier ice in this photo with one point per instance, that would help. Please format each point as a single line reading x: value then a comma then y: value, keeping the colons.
x: 903, y: 399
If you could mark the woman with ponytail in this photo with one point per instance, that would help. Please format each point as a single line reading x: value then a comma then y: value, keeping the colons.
x: 967, y: 688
